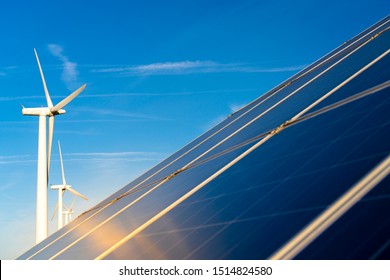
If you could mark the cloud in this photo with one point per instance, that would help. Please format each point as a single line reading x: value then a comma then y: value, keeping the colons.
x: 69, y: 73
x: 4, y: 70
x: 181, y: 67
x: 94, y: 156
x: 17, y: 159
x: 189, y: 67
x: 121, y: 113
x: 212, y: 123
x: 128, y: 94
x: 108, y: 157
x: 111, y: 154
x: 12, y: 98
x: 235, y: 107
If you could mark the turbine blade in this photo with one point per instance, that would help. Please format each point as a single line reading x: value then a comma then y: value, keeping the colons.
x: 48, y: 100
x: 67, y: 209
x: 55, y: 211
x: 50, y: 143
x: 67, y: 99
x: 76, y: 193
x: 71, y: 205
x: 62, y: 165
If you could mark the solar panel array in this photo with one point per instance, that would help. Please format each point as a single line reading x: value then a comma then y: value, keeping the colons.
x: 246, y: 187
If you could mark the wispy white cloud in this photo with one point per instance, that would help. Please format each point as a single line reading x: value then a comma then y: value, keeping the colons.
x: 69, y: 73
x: 189, y: 67
x: 91, y: 156
x: 233, y: 108
x: 17, y: 159
x: 4, y: 70
x: 212, y: 123
x: 198, y: 92
x: 111, y: 154
x: 125, y: 94
x: 163, y: 68
x: 236, y: 107
x: 108, y: 157
x: 121, y: 113
x: 12, y: 98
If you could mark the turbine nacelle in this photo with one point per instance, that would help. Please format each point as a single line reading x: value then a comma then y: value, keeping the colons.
x: 41, y: 112
x: 60, y: 187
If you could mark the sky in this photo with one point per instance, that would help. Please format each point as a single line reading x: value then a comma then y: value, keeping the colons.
x: 158, y: 74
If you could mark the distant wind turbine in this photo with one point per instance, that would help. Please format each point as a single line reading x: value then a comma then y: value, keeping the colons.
x: 43, y: 158
x: 61, y: 189
x: 68, y: 212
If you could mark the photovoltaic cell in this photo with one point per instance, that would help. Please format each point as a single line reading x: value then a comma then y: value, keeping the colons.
x: 257, y: 204
x: 362, y: 233
x: 274, y: 193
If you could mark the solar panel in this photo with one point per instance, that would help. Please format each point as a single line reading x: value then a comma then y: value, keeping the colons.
x: 247, y: 186
x: 366, y: 224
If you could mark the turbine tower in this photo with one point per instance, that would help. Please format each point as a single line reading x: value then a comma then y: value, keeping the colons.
x: 61, y: 189
x: 43, y: 158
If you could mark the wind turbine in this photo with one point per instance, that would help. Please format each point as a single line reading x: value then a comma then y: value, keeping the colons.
x: 68, y: 212
x: 61, y: 189
x: 43, y: 158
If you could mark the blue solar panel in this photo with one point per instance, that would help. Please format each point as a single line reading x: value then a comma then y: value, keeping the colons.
x: 199, y: 204
x: 271, y: 194
x: 362, y: 233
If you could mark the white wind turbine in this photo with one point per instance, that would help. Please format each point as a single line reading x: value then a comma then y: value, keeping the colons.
x: 68, y: 212
x: 61, y: 189
x: 43, y: 158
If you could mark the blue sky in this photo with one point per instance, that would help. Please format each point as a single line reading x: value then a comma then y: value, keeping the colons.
x: 158, y: 74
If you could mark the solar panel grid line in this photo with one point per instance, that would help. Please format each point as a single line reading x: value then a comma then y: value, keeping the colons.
x: 325, y: 58
x: 274, y: 131
x: 334, y: 212
x: 157, y: 186
x: 271, y: 132
x: 172, y: 206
